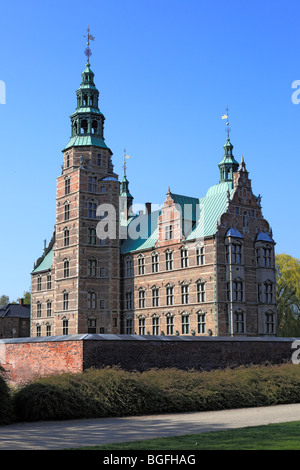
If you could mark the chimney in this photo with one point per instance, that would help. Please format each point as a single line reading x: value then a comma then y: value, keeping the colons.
x: 148, y: 207
x: 21, y: 301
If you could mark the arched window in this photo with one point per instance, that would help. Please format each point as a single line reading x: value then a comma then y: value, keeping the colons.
x: 170, y: 323
x: 66, y: 237
x: 141, y: 264
x: 92, y: 267
x: 129, y: 299
x: 38, y: 309
x: 66, y: 268
x: 49, y: 308
x: 92, y: 237
x: 49, y: 283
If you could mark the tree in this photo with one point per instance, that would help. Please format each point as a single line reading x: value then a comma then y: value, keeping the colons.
x: 288, y: 295
x: 4, y: 300
x: 26, y: 297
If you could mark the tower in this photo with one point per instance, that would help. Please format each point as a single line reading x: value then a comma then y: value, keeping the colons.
x: 84, y: 268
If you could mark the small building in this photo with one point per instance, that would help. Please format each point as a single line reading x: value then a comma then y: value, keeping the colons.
x: 15, y: 320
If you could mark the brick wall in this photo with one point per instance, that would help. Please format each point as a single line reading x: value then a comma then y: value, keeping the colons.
x: 25, y: 358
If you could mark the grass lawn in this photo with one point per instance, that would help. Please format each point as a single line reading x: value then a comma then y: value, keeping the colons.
x: 283, y: 436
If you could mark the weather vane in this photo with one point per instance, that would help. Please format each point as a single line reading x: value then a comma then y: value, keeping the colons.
x: 88, y: 51
x: 227, y: 123
x: 124, y: 164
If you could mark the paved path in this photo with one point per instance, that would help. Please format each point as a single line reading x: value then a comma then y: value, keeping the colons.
x: 52, y: 435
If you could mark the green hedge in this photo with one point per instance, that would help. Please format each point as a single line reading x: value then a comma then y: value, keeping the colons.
x: 114, y: 392
x: 6, y: 405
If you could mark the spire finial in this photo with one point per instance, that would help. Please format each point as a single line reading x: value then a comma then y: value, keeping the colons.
x: 124, y: 164
x: 227, y: 123
x: 88, y: 51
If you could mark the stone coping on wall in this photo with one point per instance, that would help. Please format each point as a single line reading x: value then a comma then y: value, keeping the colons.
x: 164, y: 338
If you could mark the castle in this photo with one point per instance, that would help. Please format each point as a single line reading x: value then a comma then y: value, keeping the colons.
x: 194, y: 266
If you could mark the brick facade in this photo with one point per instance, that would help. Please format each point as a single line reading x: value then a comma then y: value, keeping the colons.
x: 207, y: 269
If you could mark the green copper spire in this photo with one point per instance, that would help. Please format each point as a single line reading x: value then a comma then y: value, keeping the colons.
x: 228, y: 165
x: 126, y: 198
x: 87, y: 122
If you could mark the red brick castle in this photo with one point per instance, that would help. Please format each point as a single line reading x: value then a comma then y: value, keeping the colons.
x: 194, y: 266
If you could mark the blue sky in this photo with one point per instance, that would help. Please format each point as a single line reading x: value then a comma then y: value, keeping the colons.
x: 166, y: 70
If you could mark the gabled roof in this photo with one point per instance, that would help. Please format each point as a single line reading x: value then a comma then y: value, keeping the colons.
x: 204, y: 213
x: 15, y: 311
x: 46, y: 263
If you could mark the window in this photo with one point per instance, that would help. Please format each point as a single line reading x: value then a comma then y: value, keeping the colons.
x: 142, y: 330
x: 227, y: 253
x: 66, y: 268
x: 169, y: 232
x: 102, y: 304
x: 270, y: 322
x: 49, y: 308
x: 65, y: 301
x: 38, y: 330
x: 268, y: 291
x: 39, y: 283
x: 48, y: 330
x: 129, y: 267
x: 98, y: 159
x: 129, y: 326
x: 238, y: 291
x: 92, y: 184
x: 92, y: 267
x: 170, y: 295
x: 102, y: 189
x: 201, y: 291
x: 259, y: 297
x: 170, y: 324
x: 141, y: 264
x: 185, y: 293
x: 228, y: 290
x: 267, y: 256
x: 155, y: 297
x: 141, y: 298
x: 92, y: 208
x: 155, y: 325
x: 238, y: 322
x: 92, y: 238
x: 236, y: 253
x: 65, y: 326
x: 67, y: 185
x: 129, y: 300
x: 201, y: 322
x: 237, y: 210
x: 48, y: 281
x: 169, y: 260
x: 92, y: 325
x: 67, y: 160
x: 245, y: 219
x: 102, y: 272
x: 258, y: 257
x: 92, y: 300
x: 200, y: 255
x: 184, y: 258
x: 38, y: 309
x: 67, y: 211
x: 66, y: 237
x: 185, y: 324
x: 155, y: 263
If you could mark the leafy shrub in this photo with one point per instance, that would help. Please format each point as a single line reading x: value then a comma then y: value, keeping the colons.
x: 6, y: 409
x: 115, y: 392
